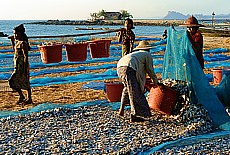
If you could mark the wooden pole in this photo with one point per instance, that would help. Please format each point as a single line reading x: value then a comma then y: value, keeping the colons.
x: 213, y: 14
x: 74, y: 35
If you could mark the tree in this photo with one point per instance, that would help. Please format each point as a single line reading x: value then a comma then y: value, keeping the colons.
x: 125, y: 14
x: 101, y: 13
x: 98, y: 15
x: 94, y: 16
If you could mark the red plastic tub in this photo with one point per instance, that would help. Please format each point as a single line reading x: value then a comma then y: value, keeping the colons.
x: 217, y: 75
x: 51, y: 53
x: 162, y: 99
x: 76, y: 52
x: 100, y: 48
x: 114, y: 91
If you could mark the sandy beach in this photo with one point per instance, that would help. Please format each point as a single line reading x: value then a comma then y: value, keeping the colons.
x: 72, y: 93
x: 98, y: 130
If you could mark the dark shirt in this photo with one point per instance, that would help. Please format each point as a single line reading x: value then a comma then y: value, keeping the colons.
x: 197, y: 45
x: 128, y: 37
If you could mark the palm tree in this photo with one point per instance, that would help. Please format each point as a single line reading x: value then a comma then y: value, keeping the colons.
x: 101, y: 13
x: 125, y: 14
x: 94, y: 16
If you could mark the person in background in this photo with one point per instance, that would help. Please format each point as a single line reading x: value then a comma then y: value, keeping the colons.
x: 20, y: 77
x: 164, y: 35
x: 127, y: 37
x: 195, y: 38
x: 132, y: 69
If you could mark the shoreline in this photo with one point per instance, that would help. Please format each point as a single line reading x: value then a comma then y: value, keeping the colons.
x: 218, y: 30
x: 137, y: 22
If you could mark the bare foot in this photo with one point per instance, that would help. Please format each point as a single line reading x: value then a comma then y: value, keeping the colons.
x: 28, y: 101
x: 121, y: 113
x: 136, y: 119
x: 21, y: 100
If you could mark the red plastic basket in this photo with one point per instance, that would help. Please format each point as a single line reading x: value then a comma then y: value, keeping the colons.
x: 114, y: 91
x: 100, y: 48
x: 51, y: 53
x: 217, y: 75
x: 76, y: 52
x: 162, y: 99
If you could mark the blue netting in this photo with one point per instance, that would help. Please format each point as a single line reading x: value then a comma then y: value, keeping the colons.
x: 217, y: 64
x: 180, y: 63
x: 186, y: 141
x: 216, y: 50
x: 223, y: 90
x: 94, y: 85
x: 216, y: 57
x: 46, y: 81
x: 50, y: 106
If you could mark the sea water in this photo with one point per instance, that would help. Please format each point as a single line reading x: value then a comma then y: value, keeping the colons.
x: 6, y: 26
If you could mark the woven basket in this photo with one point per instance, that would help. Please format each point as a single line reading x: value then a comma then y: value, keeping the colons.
x: 162, y: 99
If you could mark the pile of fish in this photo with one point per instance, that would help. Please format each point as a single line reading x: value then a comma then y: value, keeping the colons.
x: 99, y: 130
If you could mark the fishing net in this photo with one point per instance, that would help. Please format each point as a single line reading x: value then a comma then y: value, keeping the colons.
x: 180, y: 63
x: 223, y: 90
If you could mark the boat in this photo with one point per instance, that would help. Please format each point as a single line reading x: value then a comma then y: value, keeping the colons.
x: 223, y: 32
x: 3, y: 35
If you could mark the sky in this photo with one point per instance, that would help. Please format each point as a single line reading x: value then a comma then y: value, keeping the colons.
x: 81, y: 9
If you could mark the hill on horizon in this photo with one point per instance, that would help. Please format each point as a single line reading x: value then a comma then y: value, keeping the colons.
x: 177, y: 15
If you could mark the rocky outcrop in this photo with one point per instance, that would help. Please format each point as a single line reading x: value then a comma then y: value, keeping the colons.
x: 3, y: 35
x: 175, y: 15
x: 179, y: 16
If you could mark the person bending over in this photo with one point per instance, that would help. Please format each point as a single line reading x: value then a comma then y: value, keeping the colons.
x: 132, y: 69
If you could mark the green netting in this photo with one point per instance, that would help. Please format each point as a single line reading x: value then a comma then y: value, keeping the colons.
x: 180, y: 63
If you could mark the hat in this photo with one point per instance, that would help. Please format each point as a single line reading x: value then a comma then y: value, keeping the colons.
x: 20, y: 28
x: 192, y: 22
x: 143, y: 45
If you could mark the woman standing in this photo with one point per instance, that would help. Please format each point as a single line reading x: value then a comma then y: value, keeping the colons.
x: 127, y: 37
x: 20, y: 77
x: 196, y: 38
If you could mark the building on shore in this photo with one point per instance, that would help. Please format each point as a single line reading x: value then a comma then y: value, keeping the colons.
x: 112, y: 16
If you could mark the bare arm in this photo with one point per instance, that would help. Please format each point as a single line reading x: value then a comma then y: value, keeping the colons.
x: 12, y: 41
x: 150, y: 69
x: 25, y: 53
x: 120, y: 33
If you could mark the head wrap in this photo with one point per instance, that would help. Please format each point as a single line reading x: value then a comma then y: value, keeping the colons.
x: 130, y: 21
x: 20, y: 28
